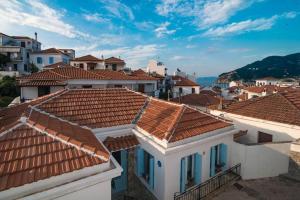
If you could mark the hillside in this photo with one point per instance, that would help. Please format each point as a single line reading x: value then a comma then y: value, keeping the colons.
x: 273, y: 66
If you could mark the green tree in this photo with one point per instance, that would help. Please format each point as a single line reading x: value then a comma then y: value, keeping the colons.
x: 33, y: 68
x: 8, y: 90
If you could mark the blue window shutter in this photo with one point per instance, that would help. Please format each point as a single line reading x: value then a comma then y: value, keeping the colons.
x: 51, y: 60
x: 140, y: 162
x: 124, y: 157
x: 212, y: 161
x: 151, y: 180
x: 182, y: 175
x: 224, y: 156
x: 197, y: 168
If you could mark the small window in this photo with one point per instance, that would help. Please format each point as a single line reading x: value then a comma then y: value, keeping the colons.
x: 117, y: 156
x: 65, y: 60
x: 25, y: 67
x: 27, y: 55
x: 16, y: 67
x: 23, y: 44
x: 106, y: 66
x: 39, y: 60
x: 51, y: 60
x: 193, y: 90
x: 81, y: 65
x: 114, y: 67
x: 87, y: 86
x: 180, y: 90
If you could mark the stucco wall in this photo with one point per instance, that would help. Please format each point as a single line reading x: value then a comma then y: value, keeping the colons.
x: 29, y: 92
x: 185, y: 90
x: 56, y: 58
x: 260, y: 161
x: 99, y: 191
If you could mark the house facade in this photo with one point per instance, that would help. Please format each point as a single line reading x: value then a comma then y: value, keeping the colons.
x: 18, y: 49
x: 88, y: 62
x: 267, y: 81
x: 62, y: 76
x: 114, y: 64
x: 182, y: 86
x: 50, y: 56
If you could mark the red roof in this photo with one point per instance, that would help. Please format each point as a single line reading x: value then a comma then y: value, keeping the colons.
x: 114, y: 60
x: 120, y: 143
x: 120, y: 75
x: 56, y: 65
x: 197, y: 100
x: 174, y: 122
x: 49, y: 51
x: 32, y: 83
x: 279, y: 107
x: 181, y: 81
x: 88, y: 58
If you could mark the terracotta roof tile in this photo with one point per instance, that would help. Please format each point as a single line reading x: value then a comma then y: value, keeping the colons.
x: 87, y: 58
x: 197, y: 100
x: 114, y: 60
x: 181, y: 81
x: 209, y: 92
x: 119, y: 143
x: 49, y: 51
x: 279, y: 107
x: 175, y: 122
x: 57, y: 65
x: 120, y: 75
x: 96, y: 108
x: 41, y: 83
x: 28, y: 155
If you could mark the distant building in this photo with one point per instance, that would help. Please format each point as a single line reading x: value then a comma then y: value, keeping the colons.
x: 182, y: 86
x: 266, y: 81
x: 70, y: 52
x: 157, y: 67
x: 48, y: 57
x: 114, y: 64
x: 18, y: 49
x: 88, y: 62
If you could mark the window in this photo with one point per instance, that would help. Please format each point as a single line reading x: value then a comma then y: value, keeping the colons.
x: 16, y: 67
x: 25, y: 67
x: 81, y: 65
x: 218, y: 158
x: 193, y: 90
x: 65, y: 60
x: 27, y: 55
x: 44, y: 90
x: 145, y: 166
x: 114, y: 67
x: 51, y: 60
x: 117, y: 156
x: 180, y: 90
x: 39, y: 60
x: 23, y: 44
x: 87, y: 86
x: 106, y: 66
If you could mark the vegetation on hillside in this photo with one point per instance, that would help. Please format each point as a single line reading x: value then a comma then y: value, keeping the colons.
x: 272, y: 66
x: 8, y: 90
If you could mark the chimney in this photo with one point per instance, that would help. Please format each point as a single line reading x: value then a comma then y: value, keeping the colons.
x: 35, y: 34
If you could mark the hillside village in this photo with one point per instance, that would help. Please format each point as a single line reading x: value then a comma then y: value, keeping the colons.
x: 91, y: 127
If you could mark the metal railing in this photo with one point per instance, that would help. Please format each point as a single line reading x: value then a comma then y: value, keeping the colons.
x: 204, y: 189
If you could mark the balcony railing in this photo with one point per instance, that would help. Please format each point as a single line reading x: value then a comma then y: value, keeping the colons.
x: 202, y: 190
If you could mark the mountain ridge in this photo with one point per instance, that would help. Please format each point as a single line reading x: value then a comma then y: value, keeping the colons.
x: 272, y: 66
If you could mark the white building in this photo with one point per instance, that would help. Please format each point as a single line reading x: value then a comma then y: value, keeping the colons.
x: 182, y: 86
x: 270, y: 127
x: 114, y: 64
x: 266, y: 81
x: 157, y: 67
x: 51, y: 80
x: 18, y: 49
x: 116, y: 134
x: 88, y: 62
x: 48, y: 57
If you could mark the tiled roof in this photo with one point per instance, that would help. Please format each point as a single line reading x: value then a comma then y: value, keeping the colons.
x: 115, y: 75
x: 209, y: 92
x: 64, y: 73
x: 28, y: 155
x: 49, y: 51
x: 114, y: 60
x: 279, y: 107
x: 57, y: 65
x: 260, y: 89
x: 174, y: 122
x: 181, y: 81
x: 197, y: 100
x: 87, y: 58
x: 119, y: 143
x: 96, y: 108
x: 10, y: 116
x: 41, y: 83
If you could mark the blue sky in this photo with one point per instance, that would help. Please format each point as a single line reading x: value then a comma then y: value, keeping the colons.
x: 203, y: 36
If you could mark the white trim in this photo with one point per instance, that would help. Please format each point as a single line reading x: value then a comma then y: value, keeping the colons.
x: 113, y: 131
x: 63, y: 184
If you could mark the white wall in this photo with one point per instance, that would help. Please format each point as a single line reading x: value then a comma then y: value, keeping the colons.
x: 260, y: 161
x: 29, y: 92
x: 99, y: 191
x: 185, y: 90
x: 99, y: 65
x: 56, y: 58
x: 280, y: 132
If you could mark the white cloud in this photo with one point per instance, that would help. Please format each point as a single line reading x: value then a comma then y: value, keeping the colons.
x: 205, y: 13
x: 178, y: 58
x: 190, y: 46
x: 163, y: 30
x: 237, y: 28
x: 145, y: 25
x: 95, y: 17
x: 34, y: 13
x: 118, y: 9
x: 134, y: 56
